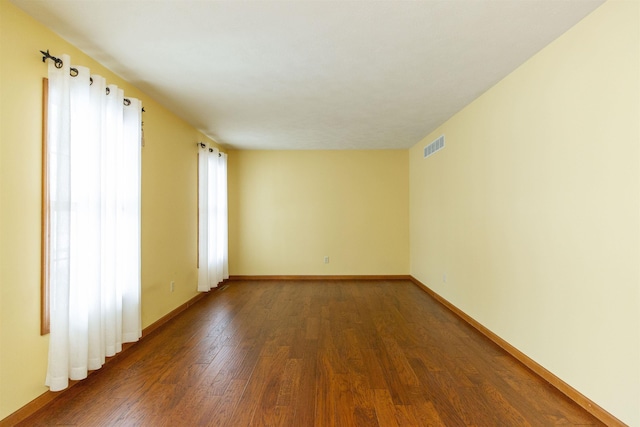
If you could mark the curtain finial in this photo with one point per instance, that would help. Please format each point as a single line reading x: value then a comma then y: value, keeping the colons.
x: 46, y: 55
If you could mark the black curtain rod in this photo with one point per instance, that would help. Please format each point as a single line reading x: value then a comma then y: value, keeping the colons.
x: 46, y: 55
x: 203, y: 145
x: 73, y: 72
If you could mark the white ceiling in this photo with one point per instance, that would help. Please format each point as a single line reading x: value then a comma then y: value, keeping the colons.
x: 311, y: 74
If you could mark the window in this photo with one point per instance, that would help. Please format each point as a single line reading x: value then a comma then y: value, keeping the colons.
x: 91, y: 221
x: 212, y: 218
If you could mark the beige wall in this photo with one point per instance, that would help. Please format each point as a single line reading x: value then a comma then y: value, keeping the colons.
x: 532, y: 209
x: 168, y: 204
x: 289, y: 209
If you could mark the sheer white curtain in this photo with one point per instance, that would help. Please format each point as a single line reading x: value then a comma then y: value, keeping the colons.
x: 213, y: 261
x: 93, y: 157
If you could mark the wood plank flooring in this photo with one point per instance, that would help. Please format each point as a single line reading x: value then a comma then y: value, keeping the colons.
x: 332, y: 353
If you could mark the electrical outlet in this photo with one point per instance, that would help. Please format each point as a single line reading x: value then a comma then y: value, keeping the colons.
x: 326, y: 260
x: 172, y: 286
x: 444, y: 278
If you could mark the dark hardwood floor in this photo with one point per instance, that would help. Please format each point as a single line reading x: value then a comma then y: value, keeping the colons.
x: 334, y: 353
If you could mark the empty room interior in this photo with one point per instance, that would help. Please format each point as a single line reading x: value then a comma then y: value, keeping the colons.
x: 479, y: 158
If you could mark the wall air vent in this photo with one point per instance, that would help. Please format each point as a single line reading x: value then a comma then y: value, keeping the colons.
x: 436, y: 145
